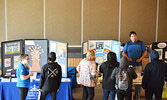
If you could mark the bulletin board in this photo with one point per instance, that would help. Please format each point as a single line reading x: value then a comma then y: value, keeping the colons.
x: 10, y: 53
x: 161, y: 48
x: 60, y: 48
x: 37, y: 49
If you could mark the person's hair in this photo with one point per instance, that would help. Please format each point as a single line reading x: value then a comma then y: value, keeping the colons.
x: 52, y: 56
x: 90, y: 56
x: 132, y: 32
x: 23, y: 56
x: 111, y: 56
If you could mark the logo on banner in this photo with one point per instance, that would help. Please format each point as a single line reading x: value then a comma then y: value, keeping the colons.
x: 33, y: 92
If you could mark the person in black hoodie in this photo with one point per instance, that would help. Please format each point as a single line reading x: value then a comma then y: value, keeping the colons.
x: 124, y: 66
x: 106, y: 68
x: 50, y: 79
x: 153, y: 79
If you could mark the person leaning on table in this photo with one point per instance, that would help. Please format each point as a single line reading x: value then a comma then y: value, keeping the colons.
x: 135, y: 51
x: 23, y: 76
x: 50, y: 79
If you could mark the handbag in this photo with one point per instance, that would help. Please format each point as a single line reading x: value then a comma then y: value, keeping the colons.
x: 164, y: 93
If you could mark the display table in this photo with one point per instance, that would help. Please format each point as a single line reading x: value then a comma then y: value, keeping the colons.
x: 9, y: 91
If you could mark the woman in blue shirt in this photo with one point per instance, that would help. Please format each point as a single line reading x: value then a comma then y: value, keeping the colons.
x: 23, y: 76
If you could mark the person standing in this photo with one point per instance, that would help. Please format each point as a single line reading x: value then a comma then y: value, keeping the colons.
x: 106, y: 68
x: 153, y: 79
x: 50, y: 78
x: 87, y: 75
x: 135, y: 51
x: 23, y: 76
x: 124, y: 91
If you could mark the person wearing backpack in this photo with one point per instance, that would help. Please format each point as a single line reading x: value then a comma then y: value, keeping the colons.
x: 50, y: 79
x: 124, y: 76
x: 106, y: 68
x: 154, y: 74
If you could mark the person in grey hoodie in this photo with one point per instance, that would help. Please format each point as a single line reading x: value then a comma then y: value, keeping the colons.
x: 153, y: 79
x: 124, y: 66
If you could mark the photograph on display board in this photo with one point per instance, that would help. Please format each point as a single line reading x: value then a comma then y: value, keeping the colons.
x: 160, y: 52
x: 99, y: 45
x: 165, y: 54
x: 85, y: 49
x: 7, y: 62
x: 60, y: 48
x: 37, y: 51
x: 12, y: 48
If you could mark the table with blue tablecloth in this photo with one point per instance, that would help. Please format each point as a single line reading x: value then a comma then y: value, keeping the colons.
x: 9, y: 91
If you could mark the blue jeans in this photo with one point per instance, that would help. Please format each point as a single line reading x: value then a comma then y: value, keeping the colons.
x: 106, y: 94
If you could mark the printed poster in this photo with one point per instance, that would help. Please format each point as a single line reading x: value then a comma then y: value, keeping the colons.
x: 7, y: 62
x: 12, y: 48
x: 37, y: 51
x: 16, y: 61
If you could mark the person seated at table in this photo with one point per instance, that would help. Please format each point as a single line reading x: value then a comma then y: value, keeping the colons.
x: 87, y: 75
x: 106, y: 68
x: 23, y: 76
x: 153, y: 79
x: 50, y: 78
x: 124, y: 76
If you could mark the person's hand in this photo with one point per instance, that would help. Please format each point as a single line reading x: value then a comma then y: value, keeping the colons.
x: 138, y: 60
x: 129, y: 59
x: 31, y: 74
x: 57, y: 90
x: 40, y: 90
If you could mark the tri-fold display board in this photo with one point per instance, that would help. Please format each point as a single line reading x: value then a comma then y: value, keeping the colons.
x: 101, y: 48
x: 37, y: 49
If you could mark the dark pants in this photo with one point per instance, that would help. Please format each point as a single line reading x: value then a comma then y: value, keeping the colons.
x: 45, y: 93
x: 124, y: 94
x: 106, y: 94
x: 23, y: 93
x: 149, y: 94
x: 88, y: 93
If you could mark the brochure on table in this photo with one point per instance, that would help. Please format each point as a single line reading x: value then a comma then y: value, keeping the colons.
x: 101, y: 48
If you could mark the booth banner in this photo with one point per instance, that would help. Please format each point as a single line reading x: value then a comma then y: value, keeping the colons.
x: 33, y: 91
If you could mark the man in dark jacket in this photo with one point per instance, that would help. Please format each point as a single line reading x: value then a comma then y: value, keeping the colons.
x: 153, y: 79
x: 106, y: 68
x: 124, y: 66
x: 50, y: 80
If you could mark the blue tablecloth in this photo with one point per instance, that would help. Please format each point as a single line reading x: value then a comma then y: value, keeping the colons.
x: 9, y: 91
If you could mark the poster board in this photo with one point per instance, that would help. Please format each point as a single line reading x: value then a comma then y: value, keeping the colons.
x: 101, y: 48
x: 161, y: 48
x: 37, y: 49
x: 60, y: 48
x: 10, y: 54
